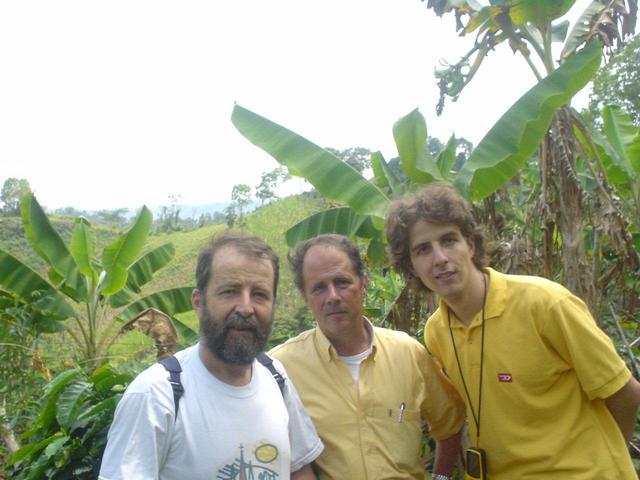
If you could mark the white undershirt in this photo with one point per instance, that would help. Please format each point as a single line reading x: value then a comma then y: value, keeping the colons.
x: 354, y: 361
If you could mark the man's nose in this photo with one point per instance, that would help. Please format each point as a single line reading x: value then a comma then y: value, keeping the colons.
x: 333, y: 293
x: 245, y: 304
x: 439, y: 255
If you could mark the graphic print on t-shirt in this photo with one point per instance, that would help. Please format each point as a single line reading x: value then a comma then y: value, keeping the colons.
x: 252, y: 465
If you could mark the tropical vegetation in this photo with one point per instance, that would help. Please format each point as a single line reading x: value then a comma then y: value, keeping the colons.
x: 558, y: 191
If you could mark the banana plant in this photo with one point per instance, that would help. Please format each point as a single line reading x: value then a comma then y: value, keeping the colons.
x: 531, y: 28
x: 363, y: 203
x: 91, y: 296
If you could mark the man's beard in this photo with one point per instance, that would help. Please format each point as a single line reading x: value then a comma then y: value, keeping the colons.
x: 234, y: 347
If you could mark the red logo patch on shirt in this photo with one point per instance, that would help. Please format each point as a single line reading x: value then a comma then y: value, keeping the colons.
x: 505, y: 377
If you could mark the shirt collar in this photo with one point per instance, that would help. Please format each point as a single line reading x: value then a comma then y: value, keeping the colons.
x: 328, y: 353
x: 496, y: 296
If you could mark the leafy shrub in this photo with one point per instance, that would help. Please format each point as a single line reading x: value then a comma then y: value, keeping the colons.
x: 70, y: 433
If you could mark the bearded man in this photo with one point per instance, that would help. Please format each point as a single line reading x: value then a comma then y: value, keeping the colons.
x: 233, y: 420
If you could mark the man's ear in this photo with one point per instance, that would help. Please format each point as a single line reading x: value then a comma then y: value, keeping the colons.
x: 365, y: 284
x: 472, y: 246
x: 196, y: 300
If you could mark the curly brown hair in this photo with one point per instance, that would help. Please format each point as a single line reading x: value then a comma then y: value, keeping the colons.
x: 437, y: 202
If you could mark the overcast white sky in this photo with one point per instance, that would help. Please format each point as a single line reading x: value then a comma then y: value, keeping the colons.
x: 122, y: 103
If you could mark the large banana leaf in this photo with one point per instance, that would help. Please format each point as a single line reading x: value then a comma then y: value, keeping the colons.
x: 171, y: 302
x: 410, y: 134
x: 83, y: 242
x: 141, y: 273
x: 517, y: 134
x: 334, y: 179
x: 20, y: 280
x: 120, y: 254
x: 620, y: 134
x: 189, y: 335
x: 341, y: 220
x: 48, y: 243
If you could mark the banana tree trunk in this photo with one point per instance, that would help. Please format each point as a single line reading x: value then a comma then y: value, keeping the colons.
x: 570, y: 223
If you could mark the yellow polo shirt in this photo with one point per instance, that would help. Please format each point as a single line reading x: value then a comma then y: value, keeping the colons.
x: 547, y: 367
x: 365, y: 437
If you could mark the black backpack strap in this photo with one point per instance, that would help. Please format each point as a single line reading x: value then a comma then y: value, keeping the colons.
x: 267, y: 362
x: 172, y: 366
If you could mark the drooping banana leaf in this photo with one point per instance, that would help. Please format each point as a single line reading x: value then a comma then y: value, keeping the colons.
x: 141, y: 273
x: 582, y: 28
x: 118, y: 256
x: 517, y: 134
x: 189, y: 335
x: 171, y: 302
x: 334, y: 179
x: 340, y: 220
x: 19, y: 279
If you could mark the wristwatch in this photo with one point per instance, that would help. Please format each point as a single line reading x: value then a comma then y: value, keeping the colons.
x: 439, y: 476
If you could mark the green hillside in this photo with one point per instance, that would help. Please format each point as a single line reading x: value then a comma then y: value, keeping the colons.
x: 268, y: 222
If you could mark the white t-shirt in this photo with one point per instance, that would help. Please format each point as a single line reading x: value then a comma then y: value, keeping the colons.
x: 220, y: 429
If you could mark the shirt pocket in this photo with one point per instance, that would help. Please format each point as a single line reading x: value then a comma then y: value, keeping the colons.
x: 402, y: 428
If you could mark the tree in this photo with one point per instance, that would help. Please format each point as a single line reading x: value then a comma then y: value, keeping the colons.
x: 115, y: 217
x: 358, y: 157
x: 169, y: 220
x: 13, y: 190
x: 618, y: 83
x: 88, y: 297
x: 231, y: 214
x: 269, y: 182
x: 240, y: 199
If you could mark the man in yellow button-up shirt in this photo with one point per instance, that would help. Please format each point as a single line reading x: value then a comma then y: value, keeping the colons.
x: 366, y: 388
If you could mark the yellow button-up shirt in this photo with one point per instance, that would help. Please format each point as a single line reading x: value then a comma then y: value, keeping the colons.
x: 372, y: 430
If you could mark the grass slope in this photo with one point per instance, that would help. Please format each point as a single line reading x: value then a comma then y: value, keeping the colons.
x: 269, y: 222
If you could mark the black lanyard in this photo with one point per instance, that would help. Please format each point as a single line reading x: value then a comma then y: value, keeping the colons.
x: 476, y: 419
